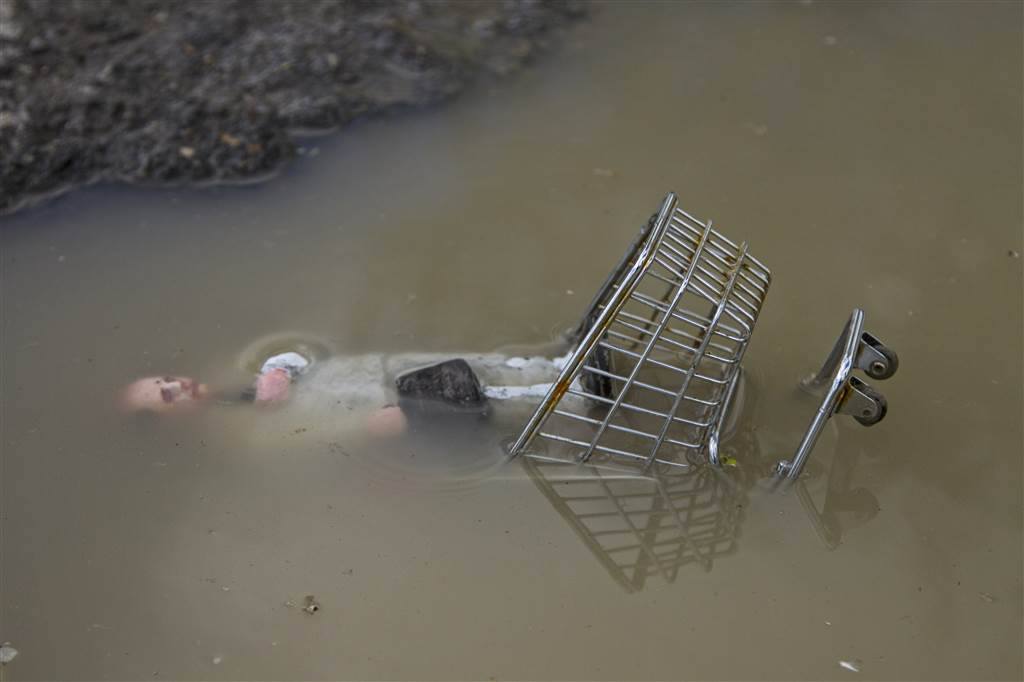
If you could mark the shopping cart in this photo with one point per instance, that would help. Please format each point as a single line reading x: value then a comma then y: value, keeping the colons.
x: 655, y: 371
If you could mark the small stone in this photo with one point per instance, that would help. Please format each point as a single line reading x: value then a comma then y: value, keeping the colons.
x: 1011, y: 253
x: 831, y: 41
x: 986, y: 597
x: 230, y: 140
x: 311, y: 605
x: 217, y: 660
x: 9, y: 30
x: 8, y: 119
x: 187, y: 152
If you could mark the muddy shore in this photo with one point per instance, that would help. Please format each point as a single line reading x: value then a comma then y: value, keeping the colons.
x: 160, y: 92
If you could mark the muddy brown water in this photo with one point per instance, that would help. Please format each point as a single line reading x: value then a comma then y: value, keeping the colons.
x: 870, y: 154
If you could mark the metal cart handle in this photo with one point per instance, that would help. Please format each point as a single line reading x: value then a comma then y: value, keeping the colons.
x: 846, y: 394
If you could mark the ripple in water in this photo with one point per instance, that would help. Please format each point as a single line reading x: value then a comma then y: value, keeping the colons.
x: 455, y: 455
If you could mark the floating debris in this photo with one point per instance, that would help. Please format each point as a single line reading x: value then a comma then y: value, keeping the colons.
x: 311, y: 604
x: 852, y: 666
x: 986, y: 597
x: 758, y: 129
x: 217, y: 660
x: 7, y: 653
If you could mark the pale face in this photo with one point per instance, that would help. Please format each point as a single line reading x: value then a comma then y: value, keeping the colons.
x: 162, y: 394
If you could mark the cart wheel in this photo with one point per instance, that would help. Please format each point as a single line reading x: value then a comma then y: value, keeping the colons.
x: 869, y: 417
x: 883, y: 370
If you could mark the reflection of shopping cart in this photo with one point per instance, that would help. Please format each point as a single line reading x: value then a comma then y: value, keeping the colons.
x: 653, y: 378
x: 643, y: 525
x: 844, y: 504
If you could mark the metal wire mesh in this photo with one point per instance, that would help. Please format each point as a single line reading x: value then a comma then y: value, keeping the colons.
x: 653, y: 374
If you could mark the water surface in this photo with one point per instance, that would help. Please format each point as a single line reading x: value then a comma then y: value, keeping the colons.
x: 870, y: 154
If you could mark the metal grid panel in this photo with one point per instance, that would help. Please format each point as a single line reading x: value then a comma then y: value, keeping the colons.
x: 652, y: 376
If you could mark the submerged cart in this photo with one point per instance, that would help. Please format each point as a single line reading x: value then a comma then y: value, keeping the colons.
x: 654, y: 376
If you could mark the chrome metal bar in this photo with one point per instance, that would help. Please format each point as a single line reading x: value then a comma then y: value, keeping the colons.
x: 647, y: 351
x: 618, y: 299
x: 699, y: 355
x: 714, y: 456
x: 837, y: 366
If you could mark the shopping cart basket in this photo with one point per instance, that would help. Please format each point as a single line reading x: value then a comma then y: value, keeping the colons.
x: 653, y: 376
